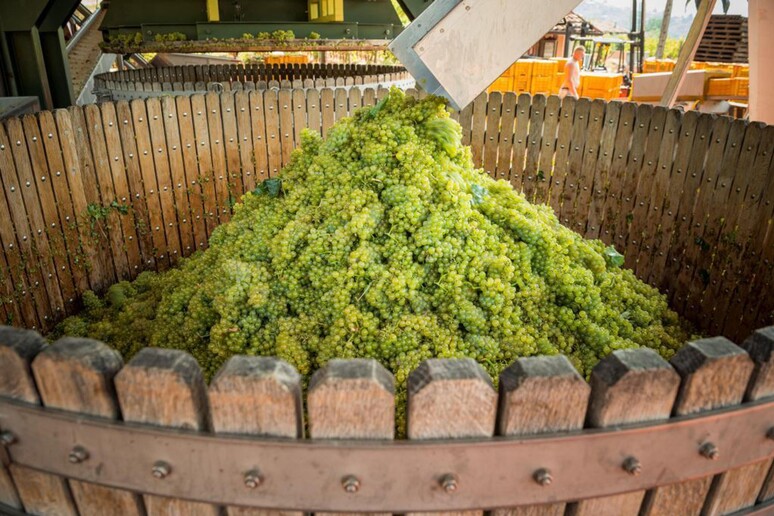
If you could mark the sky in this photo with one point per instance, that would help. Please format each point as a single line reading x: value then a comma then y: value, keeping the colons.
x: 679, y: 8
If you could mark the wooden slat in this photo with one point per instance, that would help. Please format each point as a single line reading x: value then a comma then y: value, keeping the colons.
x: 492, y: 133
x: 233, y: 169
x: 39, y: 493
x: 561, y: 156
x: 738, y: 488
x: 273, y: 145
x: 150, y: 185
x: 122, y: 195
x: 628, y: 386
x: 341, y: 105
x: 585, y: 177
x: 257, y: 396
x: 520, y: 140
x: 76, y: 375
x: 184, y: 405
x: 715, y: 374
x: 109, y: 230
x: 540, y: 395
x: 327, y: 110
x: 465, y: 120
x: 258, y: 124
x: 299, y: 114
x: 205, y: 180
x: 575, y: 162
x: 676, y: 183
x: 547, y: 149
x: 505, y: 143
x: 598, y: 185
x: 314, y: 117
x: 245, y: 139
x: 612, y: 205
x: 285, y: 110
x: 477, y: 129
x: 138, y: 202
x: 534, y: 143
x: 451, y: 399
x: 192, y: 189
x: 355, y: 100
x: 654, y: 201
x: 221, y: 208
x: 52, y: 230
x: 28, y: 220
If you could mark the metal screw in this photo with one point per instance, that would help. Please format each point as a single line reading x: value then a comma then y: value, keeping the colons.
x: 78, y: 455
x: 350, y: 484
x: 543, y: 477
x: 253, y: 479
x: 7, y: 438
x: 449, y: 483
x: 632, y: 466
x: 161, y: 469
x: 709, y: 451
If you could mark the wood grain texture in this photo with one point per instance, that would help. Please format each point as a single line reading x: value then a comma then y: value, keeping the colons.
x: 628, y: 386
x: 39, y: 493
x: 540, y: 395
x: 183, y: 405
x: 715, y: 373
x: 76, y: 375
x: 257, y: 396
x: 351, y: 399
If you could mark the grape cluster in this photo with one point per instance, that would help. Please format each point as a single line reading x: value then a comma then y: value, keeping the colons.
x: 385, y: 242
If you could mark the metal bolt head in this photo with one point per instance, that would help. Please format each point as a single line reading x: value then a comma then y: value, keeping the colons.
x: 449, y: 483
x: 78, y: 454
x: 7, y: 438
x: 543, y: 477
x: 161, y: 469
x: 253, y: 479
x: 709, y: 451
x: 350, y: 484
x: 632, y: 466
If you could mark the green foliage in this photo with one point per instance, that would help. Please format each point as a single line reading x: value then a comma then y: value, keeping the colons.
x: 171, y: 36
x: 263, y: 35
x: 283, y: 35
x: 383, y: 241
x: 314, y: 35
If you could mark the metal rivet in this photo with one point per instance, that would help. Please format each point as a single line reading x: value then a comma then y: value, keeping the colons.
x: 350, y: 484
x: 632, y: 466
x: 253, y: 479
x: 709, y: 451
x: 78, y: 454
x: 34, y: 138
x: 543, y: 477
x: 161, y: 469
x: 449, y: 483
x: 7, y: 438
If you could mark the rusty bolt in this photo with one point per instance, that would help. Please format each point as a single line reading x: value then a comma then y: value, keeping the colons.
x: 632, y: 466
x: 78, y: 454
x: 7, y: 438
x: 350, y: 484
x: 253, y: 479
x: 449, y: 483
x: 161, y: 469
x: 709, y: 451
x: 543, y: 477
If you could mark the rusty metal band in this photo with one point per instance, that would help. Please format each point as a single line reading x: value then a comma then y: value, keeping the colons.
x: 398, y: 476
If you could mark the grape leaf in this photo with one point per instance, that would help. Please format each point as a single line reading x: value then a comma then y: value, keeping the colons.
x: 613, y: 257
x: 271, y: 187
x: 479, y: 193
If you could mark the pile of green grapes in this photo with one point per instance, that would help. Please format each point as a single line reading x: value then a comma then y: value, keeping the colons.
x: 383, y: 241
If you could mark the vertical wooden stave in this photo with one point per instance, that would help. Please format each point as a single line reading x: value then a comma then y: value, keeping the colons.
x: 233, y: 171
x: 547, y: 149
x: 561, y: 154
x: 598, y: 186
x: 492, y: 133
x: 218, y: 153
x: 505, y: 143
x: 519, y: 152
x: 534, y: 144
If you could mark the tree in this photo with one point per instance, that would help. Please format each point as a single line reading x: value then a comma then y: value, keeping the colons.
x: 662, y: 37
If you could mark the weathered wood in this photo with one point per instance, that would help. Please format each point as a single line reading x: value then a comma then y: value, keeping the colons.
x: 184, y: 405
x: 233, y: 170
x: 518, y: 154
x: 478, y: 129
x: 575, y: 161
x: 715, y: 374
x: 327, y: 109
x: 257, y: 396
x: 285, y: 109
x: 218, y: 153
x: 274, y: 148
x: 547, y: 149
x: 560, y: 159
x: 628, y: 386
x: 76, y: 375
x: 39, y: 493
x: 351, y: 399
x: 540, y: 395
x: 534, y: 144
x: 598, y: 186
x: 591, y: 151
x: 204, y: 185
x: 505, y: 145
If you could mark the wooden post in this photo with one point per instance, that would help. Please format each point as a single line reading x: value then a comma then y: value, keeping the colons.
x: 687, y: 52
x: 449, y: 399
x: 540, y: 395
x: 77, y: 375
x: 628, y: 386
x: 182, y: 404
x: 39, y: 493
x: 715, y: 374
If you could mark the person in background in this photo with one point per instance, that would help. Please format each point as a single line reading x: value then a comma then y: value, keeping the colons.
x: 572, y: 73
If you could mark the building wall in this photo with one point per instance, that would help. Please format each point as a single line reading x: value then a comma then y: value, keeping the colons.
x: 761, y: 41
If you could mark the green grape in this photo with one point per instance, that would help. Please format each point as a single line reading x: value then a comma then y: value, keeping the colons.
x: 383, y: 241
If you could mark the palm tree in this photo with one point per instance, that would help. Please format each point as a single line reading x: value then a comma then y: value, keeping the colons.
x: 662, y: 37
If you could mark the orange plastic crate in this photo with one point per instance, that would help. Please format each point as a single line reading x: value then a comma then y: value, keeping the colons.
x: 543, y: 68
x: 742, y: 86
x: 721, y: 87
x: 542, y: 85
x: 502, y: 84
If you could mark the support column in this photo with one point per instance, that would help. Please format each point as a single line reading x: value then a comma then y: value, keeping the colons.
x: 59, y: 79
x: 26, y: 53
x: 761, y: 42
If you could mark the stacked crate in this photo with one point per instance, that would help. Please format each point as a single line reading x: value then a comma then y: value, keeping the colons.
x: 601, y: 85
x: 543, y: 76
